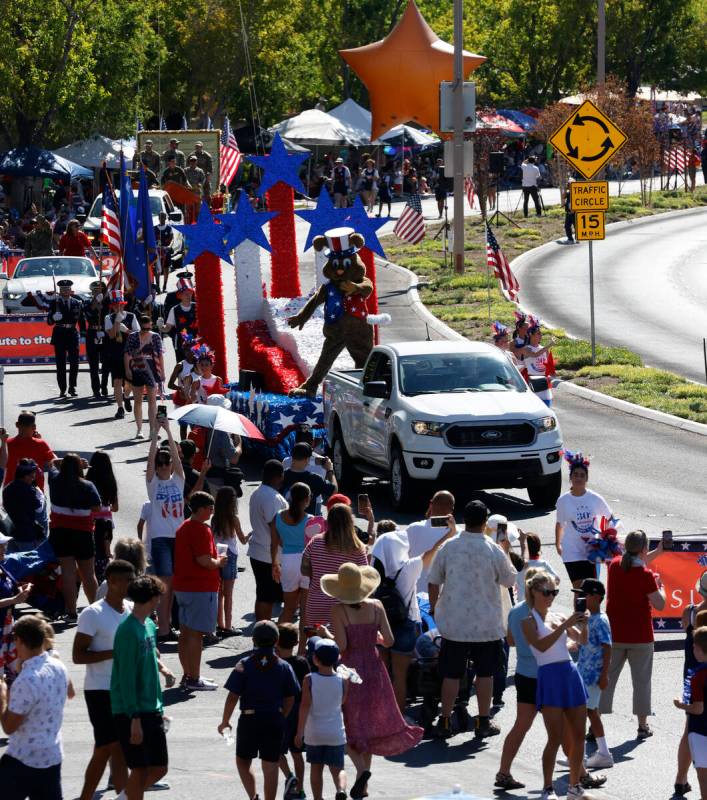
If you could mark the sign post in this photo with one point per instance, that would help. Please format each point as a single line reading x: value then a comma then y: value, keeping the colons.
x: 587, y: 140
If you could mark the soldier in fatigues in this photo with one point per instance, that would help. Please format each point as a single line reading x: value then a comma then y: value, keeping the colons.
x: 204, y: 161
x: 64, y: 316
x: 148, y: 157
x: 94, y: 312
x: 173, y: 150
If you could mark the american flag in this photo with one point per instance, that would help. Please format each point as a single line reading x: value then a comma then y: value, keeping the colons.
x: 110, y: 222
x: 501, y: 268
x: 209, y: 123
x: 138, y: 125
x: 675, y: 159
x: 230, y: 154
x: 469, y: 191
x: 411, y: 225
x: 185, y: 123
x: 163, y: 124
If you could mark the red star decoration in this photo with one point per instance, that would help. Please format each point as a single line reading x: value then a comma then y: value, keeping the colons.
x: 403, y: 71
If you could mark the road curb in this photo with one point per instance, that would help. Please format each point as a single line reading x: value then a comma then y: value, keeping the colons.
x: 634, y: 410
x: 419, y: 308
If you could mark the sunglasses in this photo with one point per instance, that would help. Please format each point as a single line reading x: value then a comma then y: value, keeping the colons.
x: 548, y: 592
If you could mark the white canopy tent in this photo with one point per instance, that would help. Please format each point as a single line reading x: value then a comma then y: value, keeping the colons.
x: 357, y: 117
x: 92, y: 152
x: 648, y: 94
x: 314, y: 127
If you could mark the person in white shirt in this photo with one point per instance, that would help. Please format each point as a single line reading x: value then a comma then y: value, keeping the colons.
x: 93, y: 646
x: 165, y: 490
x: 265, y: 503
x: 531, y: 176
x: 579, y: 512
x: 32, y: 718
x: 422, y: 535
x: 535, y: 561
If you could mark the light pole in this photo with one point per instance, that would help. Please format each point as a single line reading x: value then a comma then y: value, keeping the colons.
x: 458, y: 142
x: 601, y: 42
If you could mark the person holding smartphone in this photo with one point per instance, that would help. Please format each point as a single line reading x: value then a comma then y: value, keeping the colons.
x: 301, y: 472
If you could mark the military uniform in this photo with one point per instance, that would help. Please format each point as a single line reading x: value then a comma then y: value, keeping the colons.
x: 178, y: 154
x: 175, y: 174
x: 93, y: 316
x: 204, y: 161
x: 39, y: 242
x: 196, y: 178
x: 150, y: 159
x: 64, y: 316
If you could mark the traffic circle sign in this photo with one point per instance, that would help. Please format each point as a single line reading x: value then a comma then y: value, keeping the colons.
x: 589, y: 196
x: 589, y: 226
x: 588, y: 139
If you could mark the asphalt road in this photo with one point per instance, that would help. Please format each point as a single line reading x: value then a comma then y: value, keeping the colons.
x: 647, y: 471
x: 650, y: 282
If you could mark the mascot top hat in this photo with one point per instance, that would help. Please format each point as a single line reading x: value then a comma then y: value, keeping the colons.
x: 339, y: 243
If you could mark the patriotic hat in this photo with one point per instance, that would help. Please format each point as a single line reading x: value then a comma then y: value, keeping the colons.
x: 117, y: 298
x: 185, y: 285
x: 338, y: 242
x: 499, y: 331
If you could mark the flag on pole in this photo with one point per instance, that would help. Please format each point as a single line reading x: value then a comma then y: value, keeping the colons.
x: 469, y: 190
x: 501, y: 268
x: 209, y: 123
x: 163, y: 124
x: 110, y: 222
x: 185, y: 123
x: 138, y: 125
x: 230, y: 154
x: 410, y: 227
x: 145, y: 244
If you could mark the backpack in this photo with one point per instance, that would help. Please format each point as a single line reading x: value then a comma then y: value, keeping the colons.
x: 395, y: 607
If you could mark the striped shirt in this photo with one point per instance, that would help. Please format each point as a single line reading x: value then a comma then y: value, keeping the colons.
x: 324, y: 562
x: 71, y: 504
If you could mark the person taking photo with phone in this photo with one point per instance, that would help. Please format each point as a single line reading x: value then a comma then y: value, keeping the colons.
x: 300, y: 472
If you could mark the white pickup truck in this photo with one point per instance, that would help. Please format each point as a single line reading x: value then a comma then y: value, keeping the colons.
x: 443, y: 413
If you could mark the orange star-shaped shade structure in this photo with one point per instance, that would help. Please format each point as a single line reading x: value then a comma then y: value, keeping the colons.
x: 403, y: 71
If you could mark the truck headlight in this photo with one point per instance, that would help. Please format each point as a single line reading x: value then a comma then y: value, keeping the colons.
x: 13, y: 296
x: 422, y: 428
x: 544, y: 424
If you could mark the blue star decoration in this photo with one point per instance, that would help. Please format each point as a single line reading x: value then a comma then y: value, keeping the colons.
x: 205, y: 236
x: 244, y: 224
x: 279, y: 166
x: 358, y: 219
x: 323, y: 217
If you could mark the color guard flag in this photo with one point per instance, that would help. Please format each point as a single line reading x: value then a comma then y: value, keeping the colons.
x: 411, y: 225
x: 501, y: 268
x: 110, y: 222
x: 230, y: 154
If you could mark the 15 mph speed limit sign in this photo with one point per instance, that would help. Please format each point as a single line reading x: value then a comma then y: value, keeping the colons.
x: 589, y: 225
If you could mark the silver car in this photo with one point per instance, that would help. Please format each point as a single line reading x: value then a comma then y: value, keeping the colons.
x: 38, y: 276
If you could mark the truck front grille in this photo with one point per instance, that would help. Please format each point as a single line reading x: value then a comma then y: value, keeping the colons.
x: 489, y: 435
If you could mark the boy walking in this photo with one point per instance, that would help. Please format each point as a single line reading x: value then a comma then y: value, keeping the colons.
x: 266, y: 687
x: 321, y: 720
x: 593, y: 666
x: 294, y: 784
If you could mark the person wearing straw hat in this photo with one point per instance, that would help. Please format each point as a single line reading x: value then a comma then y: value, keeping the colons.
x: 374, y: 724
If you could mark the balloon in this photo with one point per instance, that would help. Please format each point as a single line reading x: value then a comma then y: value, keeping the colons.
x: 403, y: 71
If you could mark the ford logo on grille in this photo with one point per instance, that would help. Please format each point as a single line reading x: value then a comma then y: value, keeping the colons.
x: 491, y: 435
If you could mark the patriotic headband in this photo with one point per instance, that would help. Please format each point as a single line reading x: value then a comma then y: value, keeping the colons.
x: 575, y: 460
x: 188, y: 339
x: 533, y: 324
x: 499, y: 331
x: 520, y: 317
x: 203, y: 351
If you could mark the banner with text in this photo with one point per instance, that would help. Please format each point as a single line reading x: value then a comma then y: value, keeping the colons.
x: 26, y: 340
x: 679, y: 570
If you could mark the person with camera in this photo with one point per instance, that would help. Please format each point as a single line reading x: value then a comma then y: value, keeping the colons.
x: 144, y: 369
x: 422, y: 535
x: 529, y: 184
x: 300, y: 471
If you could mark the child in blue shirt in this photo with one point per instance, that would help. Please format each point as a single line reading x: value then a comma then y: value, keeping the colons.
x: 593, y: 666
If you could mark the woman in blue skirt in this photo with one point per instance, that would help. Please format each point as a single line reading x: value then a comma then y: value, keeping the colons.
x: 561, y: 695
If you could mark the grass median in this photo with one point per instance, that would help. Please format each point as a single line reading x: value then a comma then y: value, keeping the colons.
x: 462, y: 301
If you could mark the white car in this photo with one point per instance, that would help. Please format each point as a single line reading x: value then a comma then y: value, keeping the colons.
x: 159, y: 201
x: 426, y: 415
x: 38, y: 275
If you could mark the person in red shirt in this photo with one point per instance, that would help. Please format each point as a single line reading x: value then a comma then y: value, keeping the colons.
x: 27, y: 444
x: 196, y: 580
x: 74, y: 242
x: 632, y: 589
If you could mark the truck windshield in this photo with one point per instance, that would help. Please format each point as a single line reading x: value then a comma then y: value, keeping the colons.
x: 458, y: 372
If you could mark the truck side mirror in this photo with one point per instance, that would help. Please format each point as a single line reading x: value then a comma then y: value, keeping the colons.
x: 377, y: 389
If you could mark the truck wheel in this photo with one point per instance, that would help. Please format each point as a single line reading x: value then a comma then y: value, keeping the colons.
x: 344, y: 470
x: 403, y: 496
x: 545, y: 494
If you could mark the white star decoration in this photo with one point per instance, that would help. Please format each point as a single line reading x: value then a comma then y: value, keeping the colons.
x: 285, y: 421
x: 311, y: 421
x: 685, y: 545
x: 661, y: 623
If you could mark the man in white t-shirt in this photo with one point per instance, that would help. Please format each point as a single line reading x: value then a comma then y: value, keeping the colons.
x: 32, y: 717
x: 93, y: 646
x: 531, y: 176
x: 423, y: 535
x: 165, y: 489
x: 265, y: 502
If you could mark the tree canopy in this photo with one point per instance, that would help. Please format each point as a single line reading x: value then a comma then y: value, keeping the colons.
x: 73, y: 67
